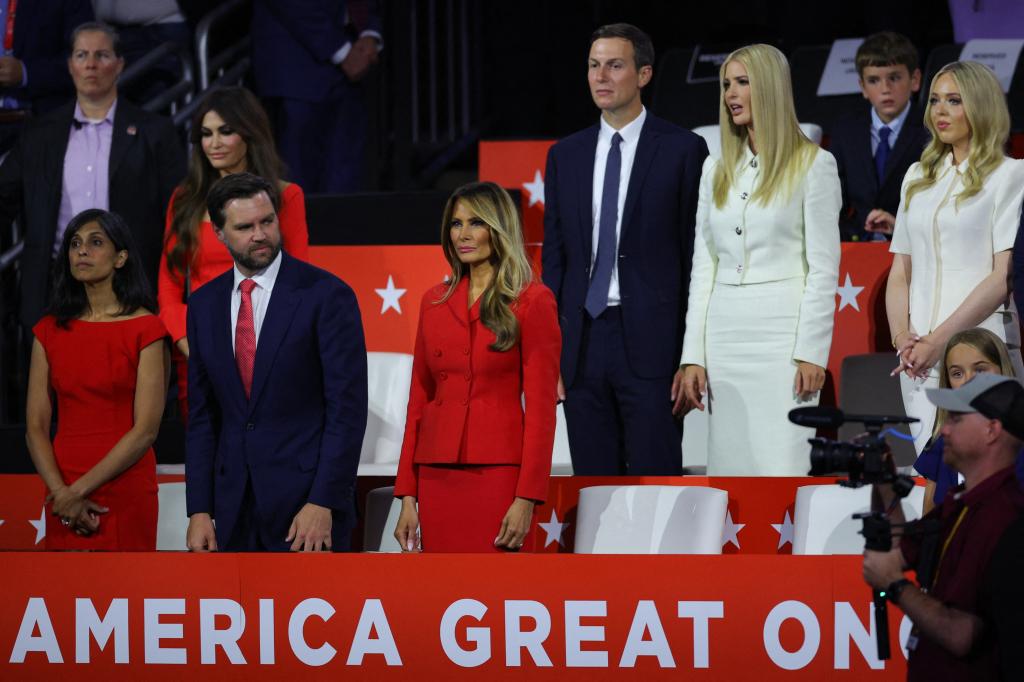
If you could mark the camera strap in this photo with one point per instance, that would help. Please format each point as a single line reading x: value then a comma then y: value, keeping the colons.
x: 945, y: 545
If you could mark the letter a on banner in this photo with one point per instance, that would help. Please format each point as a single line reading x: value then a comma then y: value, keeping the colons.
x: 373, y: 618
x: 36, y: 615
x: 646, y: 620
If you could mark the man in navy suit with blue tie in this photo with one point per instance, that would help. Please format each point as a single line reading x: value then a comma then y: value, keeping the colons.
x: 620, y: 202
x: 277, y: 390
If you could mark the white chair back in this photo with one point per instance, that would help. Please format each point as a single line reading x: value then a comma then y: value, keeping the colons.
x: 382, y: 510
x: 823, y: 520
x: 650, y: 519
x: 388, y: 379
x: 561, y: 461
x: 172, y: 521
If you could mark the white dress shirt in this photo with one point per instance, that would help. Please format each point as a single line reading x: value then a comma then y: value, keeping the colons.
x: 264, y: 279
x: 895, y: 125
x: 630, y: 134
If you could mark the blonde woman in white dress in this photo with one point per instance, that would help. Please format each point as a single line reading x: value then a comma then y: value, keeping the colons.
x: 953, y: 236
x: 763, y: 283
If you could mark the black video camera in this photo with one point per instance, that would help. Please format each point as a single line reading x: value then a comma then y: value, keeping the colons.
x: 861, y: 459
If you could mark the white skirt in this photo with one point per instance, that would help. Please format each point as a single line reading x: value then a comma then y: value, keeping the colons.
x: 751, y: 334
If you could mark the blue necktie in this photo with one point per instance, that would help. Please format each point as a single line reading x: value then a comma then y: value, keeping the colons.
x: 882, y: 152
x: 601, y: 278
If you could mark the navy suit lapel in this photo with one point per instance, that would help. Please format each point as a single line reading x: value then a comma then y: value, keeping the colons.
x: 865, y: 159
x: 907, y: 135
x: 646, y: 148
x: 585, y: 163
x: 53, y: 160
x: 284, y: 301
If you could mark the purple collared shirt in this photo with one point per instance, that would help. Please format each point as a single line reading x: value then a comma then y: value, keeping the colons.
x: 86, y: 169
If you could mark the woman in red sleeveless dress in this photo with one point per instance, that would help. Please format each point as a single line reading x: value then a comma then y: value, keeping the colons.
x: 100, y: 352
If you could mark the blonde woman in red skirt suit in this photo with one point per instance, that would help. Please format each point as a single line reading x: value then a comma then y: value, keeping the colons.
x: 101, y: 353
x: 481, y: 419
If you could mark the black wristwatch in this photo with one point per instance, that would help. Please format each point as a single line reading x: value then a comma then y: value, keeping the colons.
x: 895, y: 589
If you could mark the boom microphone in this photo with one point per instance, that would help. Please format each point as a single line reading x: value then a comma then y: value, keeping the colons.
x: 818, y: 417
x: 821, y: 417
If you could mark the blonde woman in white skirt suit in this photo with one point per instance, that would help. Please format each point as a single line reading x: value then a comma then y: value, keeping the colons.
x: 953, y: 237
x: 763, y: 282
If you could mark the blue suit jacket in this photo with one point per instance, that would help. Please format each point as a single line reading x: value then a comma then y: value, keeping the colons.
x: 655, y: 242
x: 862, y: 192
x: 293, y: 42
x: 42, y: 31
x: 297, y: 438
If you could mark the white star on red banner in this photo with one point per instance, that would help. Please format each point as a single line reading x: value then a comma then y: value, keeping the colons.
x: 390, y: 297
x: 730, y: 531
x: 40, y: 525
x: 553, y: 529
x: 848, y: 294
x: 536, y: 189
x: 785, y: 530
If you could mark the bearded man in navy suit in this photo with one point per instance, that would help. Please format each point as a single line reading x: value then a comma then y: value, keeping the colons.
x: 277, y: 390
x: 620, y: 203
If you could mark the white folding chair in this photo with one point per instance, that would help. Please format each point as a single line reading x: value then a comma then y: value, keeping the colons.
x: 172, y: 521
x: 388, y: 379
x: 823, y: 520
x: 650, y: 519
x: 382, y: 510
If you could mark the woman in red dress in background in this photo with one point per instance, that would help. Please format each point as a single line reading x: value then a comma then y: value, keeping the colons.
x: 230, y: 134
x: 475, y: 461
x: 100, y: 352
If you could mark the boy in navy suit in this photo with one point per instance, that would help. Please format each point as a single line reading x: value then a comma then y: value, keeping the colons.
x: 874, y: 147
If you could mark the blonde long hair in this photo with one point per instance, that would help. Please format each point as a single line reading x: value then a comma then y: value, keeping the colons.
x: 988, y: 120
x: 512, y: 271
x: 784, y: 152
x: 991, y: 348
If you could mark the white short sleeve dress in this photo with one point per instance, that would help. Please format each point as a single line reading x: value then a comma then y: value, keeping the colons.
x: 951, y: 251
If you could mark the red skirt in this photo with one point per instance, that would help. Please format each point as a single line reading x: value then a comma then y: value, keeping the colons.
x: 461, y: 507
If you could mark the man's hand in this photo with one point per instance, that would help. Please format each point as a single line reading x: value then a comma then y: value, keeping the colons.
x: 360, y: 58
x: 12, y: 71
x: 310, y: 529
x: 880, y: 221
x: 200, y: 536
x: 882, y: 569
x: 560, y: 390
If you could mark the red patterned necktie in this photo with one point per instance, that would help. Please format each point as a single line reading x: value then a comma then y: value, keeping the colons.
x: 245, y: 336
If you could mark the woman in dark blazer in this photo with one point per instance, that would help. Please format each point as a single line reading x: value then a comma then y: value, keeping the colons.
x: 476, y: 455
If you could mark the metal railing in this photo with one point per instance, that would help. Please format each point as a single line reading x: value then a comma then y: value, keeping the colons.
x: 205, y: 63
x: 182, y: 91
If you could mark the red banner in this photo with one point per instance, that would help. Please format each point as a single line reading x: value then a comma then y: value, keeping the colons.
x: 759, y: 520
x: 457, y: 617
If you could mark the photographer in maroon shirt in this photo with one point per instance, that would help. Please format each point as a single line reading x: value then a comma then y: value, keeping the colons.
x: 953, y: 636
